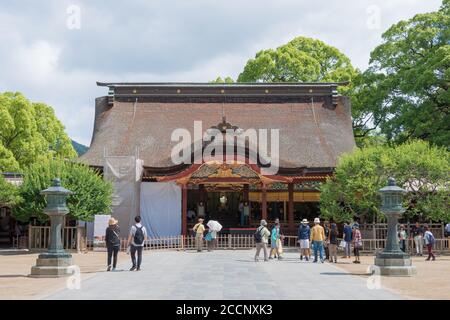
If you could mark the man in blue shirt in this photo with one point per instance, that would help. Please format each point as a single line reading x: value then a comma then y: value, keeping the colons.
x: 347, y: 235
x: 303, y: 239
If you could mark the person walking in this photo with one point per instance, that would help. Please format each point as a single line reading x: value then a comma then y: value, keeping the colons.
x: 199, y: 229
x: 417, y: 235
x: 304, y: 233
x: 429, y: 242
x: 274, y: 242
x: 262, y: 235
x: 326, y: 227
x: 136, y: 239
x: 402, y: 236
x: 112, y: 243
x: 347, y: 236
x: 317, y: 238
x: 357, y: 242
x: 333, y: 242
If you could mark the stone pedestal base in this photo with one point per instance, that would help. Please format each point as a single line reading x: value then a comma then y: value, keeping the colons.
x: 52, y: 266
x: 395, y: 265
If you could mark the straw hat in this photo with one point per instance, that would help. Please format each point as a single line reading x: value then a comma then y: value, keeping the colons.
x: 304, y: 221
x: 201, y: 219
x: 112, y: 221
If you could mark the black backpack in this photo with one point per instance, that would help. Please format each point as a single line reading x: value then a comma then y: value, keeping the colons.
x: 257, y: 235
x: 139, y: 235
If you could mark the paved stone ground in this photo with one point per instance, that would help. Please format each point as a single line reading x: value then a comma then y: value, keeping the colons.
x: 224, y: 275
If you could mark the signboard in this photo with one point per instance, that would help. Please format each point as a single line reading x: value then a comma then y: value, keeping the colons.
x: 100, y: 225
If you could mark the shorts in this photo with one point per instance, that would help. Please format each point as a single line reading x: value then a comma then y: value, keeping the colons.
x: 273, y: 244
x: 304, y: 244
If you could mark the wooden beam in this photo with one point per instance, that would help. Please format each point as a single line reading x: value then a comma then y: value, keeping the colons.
x: 264, y: 202
x: 291, y: 206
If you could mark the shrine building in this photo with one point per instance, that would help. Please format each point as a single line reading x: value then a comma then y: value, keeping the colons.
x: 135, y: 137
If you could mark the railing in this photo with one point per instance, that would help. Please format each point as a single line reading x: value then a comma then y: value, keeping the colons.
x: 73, y: 238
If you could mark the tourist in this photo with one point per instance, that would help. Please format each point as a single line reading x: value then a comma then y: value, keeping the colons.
x: 112, y: 243
x: 280, y: 239
x: 246, y: 213
x: 303, y: 239
x: 241, y: 214
x: 326, y: 227
x: 317, y: 238
x: 199, y: 229
x: 275, y: 242
x: 417, y: 235
x: 429, y: 242
x: 347, y: 236
x: 357, y: 242
x: 333, y: 242
x: 137, y: 238
x: 262, y: 235
x: 447, y: 230
x: 191, y: 214
x: 402, y: 236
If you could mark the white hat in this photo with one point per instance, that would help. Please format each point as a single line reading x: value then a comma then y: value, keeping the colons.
x: 304, y: 221
x: 316, y: 220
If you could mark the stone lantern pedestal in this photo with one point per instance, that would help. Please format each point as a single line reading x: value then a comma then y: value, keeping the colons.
x: 56, y: 262
x: 392, y: 261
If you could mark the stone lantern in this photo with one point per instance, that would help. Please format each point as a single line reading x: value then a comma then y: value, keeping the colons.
x: 56, y: 262
x: 392, y: 261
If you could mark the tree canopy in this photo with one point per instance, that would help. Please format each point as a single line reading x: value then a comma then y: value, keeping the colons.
x: 9, y: 195
x: 423, y: 169
x: 405, y: 90
x: 300, y: 60
x: 29, y: 133
x: 92, y: 195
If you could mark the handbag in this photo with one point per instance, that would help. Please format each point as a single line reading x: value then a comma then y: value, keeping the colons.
x: 208, y: 236
x: 279, y: 247
x: 343, y: 244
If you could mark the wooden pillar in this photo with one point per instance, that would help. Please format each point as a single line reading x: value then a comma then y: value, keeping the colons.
x: 291, y: 206
x: 201, y: 189
x: 245, y: 195
x: 264, y: 202
x: 184, y: 199
x: 284, y: 211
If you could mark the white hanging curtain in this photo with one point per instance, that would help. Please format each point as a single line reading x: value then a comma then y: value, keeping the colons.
x: 161, y: 208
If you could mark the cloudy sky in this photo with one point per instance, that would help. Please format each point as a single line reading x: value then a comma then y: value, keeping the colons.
x: 55, y: 51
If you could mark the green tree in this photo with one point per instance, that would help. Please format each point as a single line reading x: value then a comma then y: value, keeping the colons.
x: 9, y: 193
x: 30, y: 132
x: 423, y: 169
x: 405, y: 90
x: 300, y: 60
x: 224, y: 80
x: 92, y: 195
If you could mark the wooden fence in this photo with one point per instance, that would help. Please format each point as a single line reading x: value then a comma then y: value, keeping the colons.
x: 74, y: 239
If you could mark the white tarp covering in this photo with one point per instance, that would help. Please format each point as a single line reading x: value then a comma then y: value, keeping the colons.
x: 125, y: 174
x: 161, y: 208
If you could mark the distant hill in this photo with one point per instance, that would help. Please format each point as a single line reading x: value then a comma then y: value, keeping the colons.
x: 79, y: 148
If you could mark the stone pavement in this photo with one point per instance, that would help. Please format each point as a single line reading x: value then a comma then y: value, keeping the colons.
x: 223, y: 274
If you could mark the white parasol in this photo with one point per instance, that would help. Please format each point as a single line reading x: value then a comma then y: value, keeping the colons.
x: 214, y: 225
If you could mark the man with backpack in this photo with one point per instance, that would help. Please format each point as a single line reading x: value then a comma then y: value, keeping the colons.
x: 137, y: 237
x: 262, y: 235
